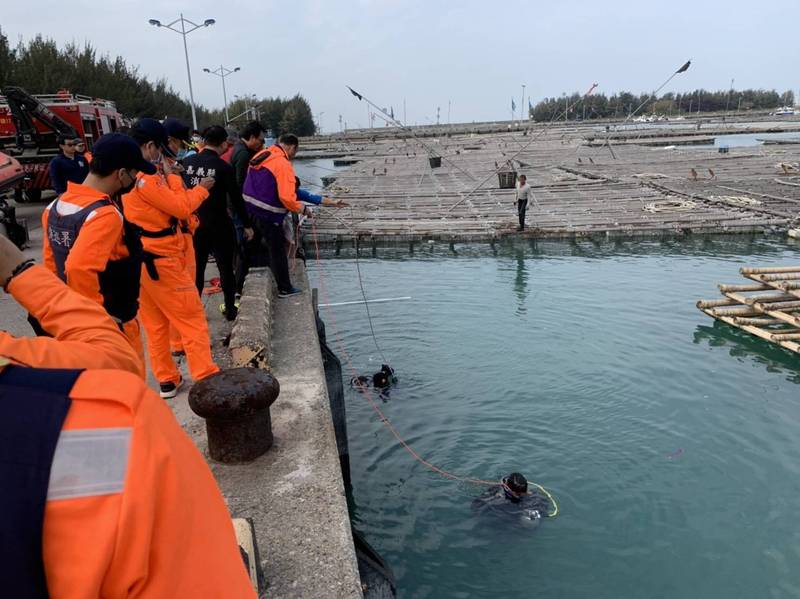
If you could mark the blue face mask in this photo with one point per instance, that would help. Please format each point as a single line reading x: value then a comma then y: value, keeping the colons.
x: 182, y: 153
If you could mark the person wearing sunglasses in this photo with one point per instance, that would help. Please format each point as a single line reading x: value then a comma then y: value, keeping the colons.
x: 68, y: 165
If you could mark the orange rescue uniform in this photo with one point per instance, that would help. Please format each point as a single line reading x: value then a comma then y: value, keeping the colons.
x: 84, y: 336
x: 100, y: 240
x: 165, y: 531
x: 187, y: 231
x: 156, y: 204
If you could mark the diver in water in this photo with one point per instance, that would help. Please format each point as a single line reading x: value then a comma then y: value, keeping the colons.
x: 512, y: 498
x: 382, y: 380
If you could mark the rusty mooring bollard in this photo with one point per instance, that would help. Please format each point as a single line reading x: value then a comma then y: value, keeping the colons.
x: 235, y: 404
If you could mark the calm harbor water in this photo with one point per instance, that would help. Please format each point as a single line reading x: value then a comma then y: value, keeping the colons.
x: 670, y: 442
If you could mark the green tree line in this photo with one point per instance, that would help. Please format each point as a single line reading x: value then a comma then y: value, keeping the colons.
x: 40, y: 67
x: 621, y: 104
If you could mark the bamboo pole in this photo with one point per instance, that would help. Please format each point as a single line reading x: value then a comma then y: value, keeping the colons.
x: 790, y: 345
x: 730, y: 312
x: 777, y: 306
x: 750, y: 300
x: 777, y: 285
x: 703, y: 304
x: 756, y: 322
x: 768, y: 270
x: 786, y: 336
x: 732, y: 288
x: 786, y: 276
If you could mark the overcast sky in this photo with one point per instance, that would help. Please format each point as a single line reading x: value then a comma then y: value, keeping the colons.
x: 475, y: 54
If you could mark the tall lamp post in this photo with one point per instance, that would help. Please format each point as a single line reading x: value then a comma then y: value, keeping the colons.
x: 319, y: 122
x: 522, y: 106
x: 223, y: 72
x: 183, y: 30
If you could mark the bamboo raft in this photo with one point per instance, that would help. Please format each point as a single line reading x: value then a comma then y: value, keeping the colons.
x: 768, y: 307
x: 617, y: 190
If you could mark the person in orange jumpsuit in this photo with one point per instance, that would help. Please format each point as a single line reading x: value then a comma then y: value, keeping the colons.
x: 156, y: 205
x: 179, y: 137
x: 87, y: 241
x: 187, y: 232
x: 106, y: 495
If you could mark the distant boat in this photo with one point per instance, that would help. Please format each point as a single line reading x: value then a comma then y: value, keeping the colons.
x: 785, y: 111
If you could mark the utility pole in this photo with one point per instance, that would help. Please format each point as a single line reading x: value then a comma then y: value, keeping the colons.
x: 184, y: 32
x: 341, y: 129
x: 404, y: 111
x: 522, y: 106
x: 438, y: 111
x: 319, y: 123
x: 728, y: 99
x: 223, y: 72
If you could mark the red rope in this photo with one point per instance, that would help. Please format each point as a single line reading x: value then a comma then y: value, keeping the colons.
x: 368, y: 395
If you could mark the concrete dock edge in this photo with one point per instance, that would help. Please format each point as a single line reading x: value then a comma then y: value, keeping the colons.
x: 294, y: 493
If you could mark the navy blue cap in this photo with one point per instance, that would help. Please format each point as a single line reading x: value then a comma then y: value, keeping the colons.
x: 116, y: 150
x: 177, y: 129
x: 152, y: 130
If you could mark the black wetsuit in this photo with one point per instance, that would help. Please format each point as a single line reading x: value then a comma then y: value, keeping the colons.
x: 530, y: 509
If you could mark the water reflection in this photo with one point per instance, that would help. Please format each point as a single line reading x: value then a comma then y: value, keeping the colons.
x: 743, y: 345
x: 521, y: 282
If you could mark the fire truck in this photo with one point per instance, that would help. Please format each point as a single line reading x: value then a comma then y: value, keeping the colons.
x: 30, y: 126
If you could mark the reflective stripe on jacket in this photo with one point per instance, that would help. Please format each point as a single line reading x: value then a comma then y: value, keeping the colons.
x: 270, y: 187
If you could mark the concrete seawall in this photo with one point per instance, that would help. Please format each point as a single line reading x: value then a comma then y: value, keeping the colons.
x: 295, y: 492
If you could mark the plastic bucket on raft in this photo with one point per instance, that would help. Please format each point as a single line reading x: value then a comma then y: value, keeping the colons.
x: 507, y: 179
x: 435, y: 161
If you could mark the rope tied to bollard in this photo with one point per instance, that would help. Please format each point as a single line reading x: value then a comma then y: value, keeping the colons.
x: 367, y: 393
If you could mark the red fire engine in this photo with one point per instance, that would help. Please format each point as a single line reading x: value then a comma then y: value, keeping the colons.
x: 30, y: 126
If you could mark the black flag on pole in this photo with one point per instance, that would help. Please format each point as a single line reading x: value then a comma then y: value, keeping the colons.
x: 683, y: 69
x: 354, y: 92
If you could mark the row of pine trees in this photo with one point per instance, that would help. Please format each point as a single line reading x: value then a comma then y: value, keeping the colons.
x: 41, y: 67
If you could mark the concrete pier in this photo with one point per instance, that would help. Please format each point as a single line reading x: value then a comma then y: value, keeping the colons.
x: 294, y: 493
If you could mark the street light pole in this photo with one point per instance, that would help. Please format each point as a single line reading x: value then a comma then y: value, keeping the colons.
x: 223, y: 72
x: 319, y: 122
x: 522, y: 106
x: 184, y: 32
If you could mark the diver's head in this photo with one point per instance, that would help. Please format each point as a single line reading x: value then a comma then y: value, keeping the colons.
x: 515, y: 486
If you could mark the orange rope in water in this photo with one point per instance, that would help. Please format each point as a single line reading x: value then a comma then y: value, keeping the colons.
x: 367, y: 393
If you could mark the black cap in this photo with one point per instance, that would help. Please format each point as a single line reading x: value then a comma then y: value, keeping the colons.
x: 116, y: 150
x: 152, y: 130
x: 177, y: 129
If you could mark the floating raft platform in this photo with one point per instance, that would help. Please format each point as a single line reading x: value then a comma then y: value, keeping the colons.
x: 617, y: 190
x: 768, y: 306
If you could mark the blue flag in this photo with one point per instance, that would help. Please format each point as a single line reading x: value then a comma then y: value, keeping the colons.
x: 513, y: 105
